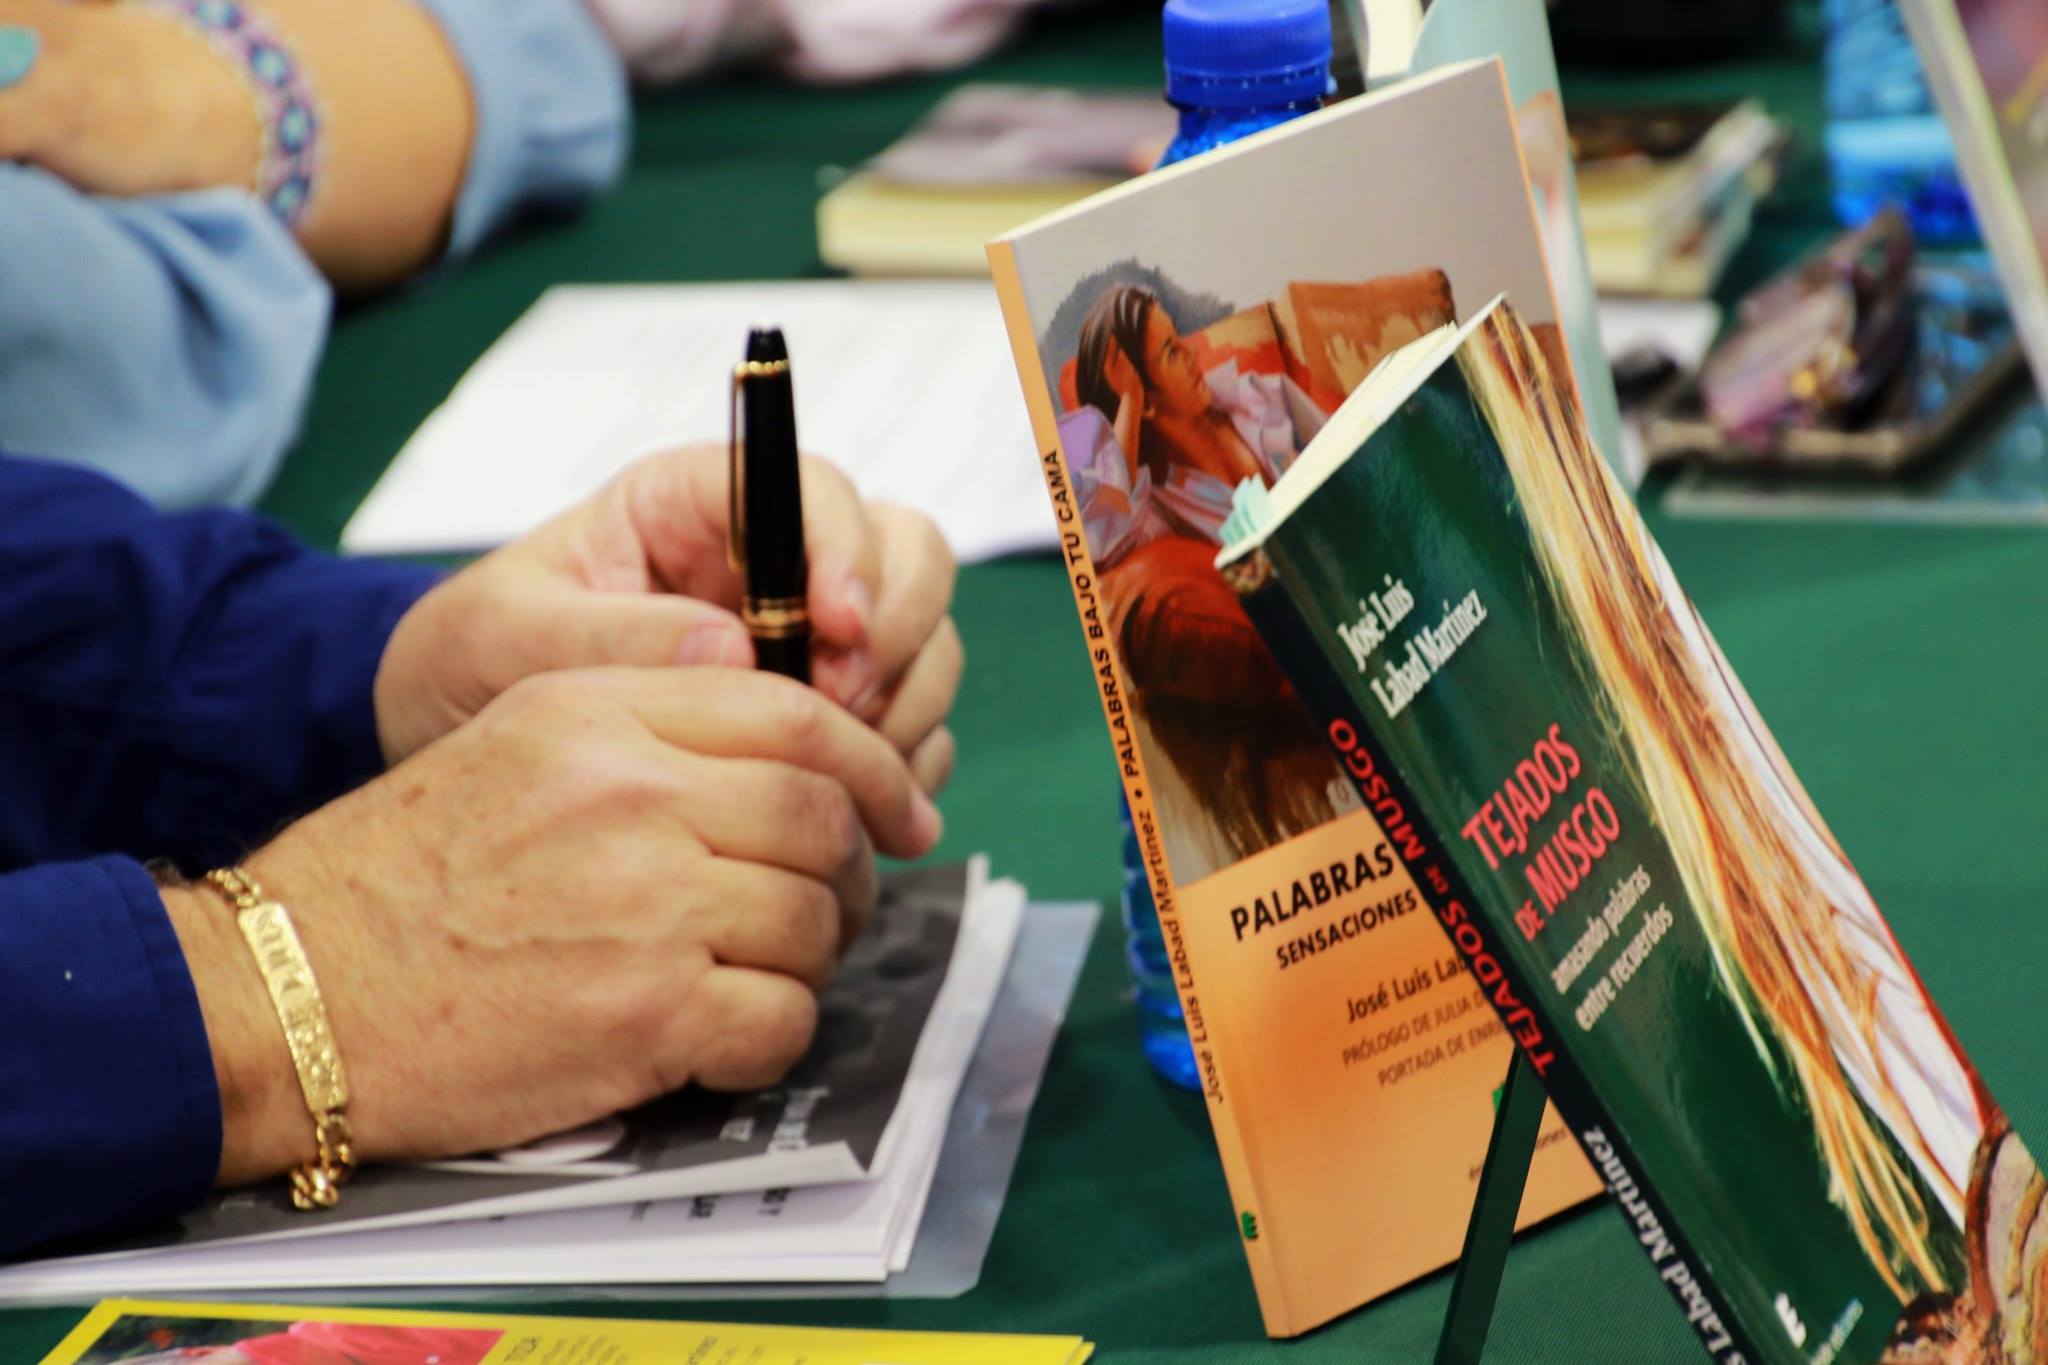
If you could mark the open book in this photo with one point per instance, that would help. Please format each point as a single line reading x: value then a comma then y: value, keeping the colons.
x: 1500, y: 658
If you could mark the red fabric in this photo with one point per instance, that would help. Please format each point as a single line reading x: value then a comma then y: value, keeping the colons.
x: 350, y: 1343
x: 1183, y: 632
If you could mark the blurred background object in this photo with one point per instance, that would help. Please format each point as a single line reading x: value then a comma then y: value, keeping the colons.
x: 1886, y: 142
x: 1674, y: 31
x: 1667, y: 192
x: 988, y: 159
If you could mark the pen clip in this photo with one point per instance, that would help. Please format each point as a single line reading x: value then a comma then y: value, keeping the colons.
x: 736, y: 479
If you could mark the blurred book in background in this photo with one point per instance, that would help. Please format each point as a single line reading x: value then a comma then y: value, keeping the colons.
x: 988, y: 159
x: 1667, y: 192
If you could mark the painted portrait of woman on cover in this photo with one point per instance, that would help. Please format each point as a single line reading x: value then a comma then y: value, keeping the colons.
x: 1160, y: 430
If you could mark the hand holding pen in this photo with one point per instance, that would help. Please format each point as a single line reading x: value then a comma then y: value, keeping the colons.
x: 897, y: 662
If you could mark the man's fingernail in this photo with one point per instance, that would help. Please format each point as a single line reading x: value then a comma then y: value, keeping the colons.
x: 18, y: 49
x: 926, y: 824
x: 707, y: 645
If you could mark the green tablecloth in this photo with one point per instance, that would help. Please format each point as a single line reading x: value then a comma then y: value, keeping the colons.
x: 1902, y: 668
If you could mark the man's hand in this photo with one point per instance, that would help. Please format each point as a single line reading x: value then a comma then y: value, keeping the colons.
x: 609, y: 883
x: 638, y: 576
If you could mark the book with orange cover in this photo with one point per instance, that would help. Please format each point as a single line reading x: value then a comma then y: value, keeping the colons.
x: 1174, y: 337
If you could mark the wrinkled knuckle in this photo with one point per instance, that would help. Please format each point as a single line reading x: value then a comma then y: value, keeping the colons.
x: 814, y: 934
x: 630, y: 1018
x: 552, y: 693
x: 797, y: 713
x: 825, y: 816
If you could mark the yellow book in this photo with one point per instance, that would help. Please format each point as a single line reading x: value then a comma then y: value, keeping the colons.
x: 133, y: 1331
x: 988, y: 159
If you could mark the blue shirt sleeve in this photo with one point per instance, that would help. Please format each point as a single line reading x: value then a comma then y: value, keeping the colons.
x: 175, y: 686
x: 552, y: 117
x: 169, y: 341
x: 169, y: 686
x: 109, y: 1110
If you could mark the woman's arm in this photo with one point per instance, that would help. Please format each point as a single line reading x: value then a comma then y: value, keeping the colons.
x: 434, y: 121
x: 169, y: 341
x: 1129, y: 387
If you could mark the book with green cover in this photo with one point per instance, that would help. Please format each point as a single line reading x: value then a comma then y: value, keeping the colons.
x: 1520, y: 690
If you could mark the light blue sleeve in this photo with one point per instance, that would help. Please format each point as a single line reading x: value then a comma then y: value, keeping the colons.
x: 552, y: 118
x: 171, y: 341
x: 168, y: 341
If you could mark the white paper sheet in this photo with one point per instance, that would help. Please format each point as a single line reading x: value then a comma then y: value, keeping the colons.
x: 908, y: 386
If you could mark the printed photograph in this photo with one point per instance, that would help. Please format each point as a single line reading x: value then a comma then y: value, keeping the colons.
x: 1940, y: 1195
x: 226, y: 1341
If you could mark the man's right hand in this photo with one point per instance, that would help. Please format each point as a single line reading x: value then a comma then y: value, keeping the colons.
x: 606, y: 885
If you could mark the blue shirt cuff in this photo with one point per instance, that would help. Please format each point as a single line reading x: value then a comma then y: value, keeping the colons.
x: 551, y: 109
x: 109, y: 1110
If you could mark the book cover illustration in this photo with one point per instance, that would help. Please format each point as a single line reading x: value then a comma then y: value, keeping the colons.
x: 1175, y: 337
x: 1611, y: 836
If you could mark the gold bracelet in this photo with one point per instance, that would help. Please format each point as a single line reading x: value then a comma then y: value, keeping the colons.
x: 295, y: 994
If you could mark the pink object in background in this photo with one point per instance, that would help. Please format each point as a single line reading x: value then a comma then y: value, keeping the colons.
x: 820, y: 40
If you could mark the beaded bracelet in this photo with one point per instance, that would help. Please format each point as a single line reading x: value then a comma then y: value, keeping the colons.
x: 284, y: 100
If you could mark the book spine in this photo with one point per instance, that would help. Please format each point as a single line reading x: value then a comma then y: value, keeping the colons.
x: 1418, y: 843
x: 1233, y: 1144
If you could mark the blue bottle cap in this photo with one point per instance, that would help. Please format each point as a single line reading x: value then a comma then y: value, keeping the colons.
x: 1241, y: 54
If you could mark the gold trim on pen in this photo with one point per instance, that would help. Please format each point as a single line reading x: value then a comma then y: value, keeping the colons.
x: 775, y: 617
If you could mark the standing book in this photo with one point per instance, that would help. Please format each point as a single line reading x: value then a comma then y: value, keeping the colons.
x: 1596, y: 815
x: 1173, y: 336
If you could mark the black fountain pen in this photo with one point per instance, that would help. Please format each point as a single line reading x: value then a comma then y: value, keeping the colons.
x: 767, y: 509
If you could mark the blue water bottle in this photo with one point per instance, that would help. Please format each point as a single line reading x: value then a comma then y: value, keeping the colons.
x: 1233, y: 68
x: 1886, y: 141
x: 1237, y: 67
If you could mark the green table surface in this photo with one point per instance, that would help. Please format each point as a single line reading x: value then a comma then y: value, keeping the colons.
x: 1902, y: 667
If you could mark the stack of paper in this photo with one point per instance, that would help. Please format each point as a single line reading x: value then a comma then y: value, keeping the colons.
x: 824, y: 1178
x: 908, y: 387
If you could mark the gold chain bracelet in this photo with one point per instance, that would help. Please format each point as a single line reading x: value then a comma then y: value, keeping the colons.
x: 267, y: 928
